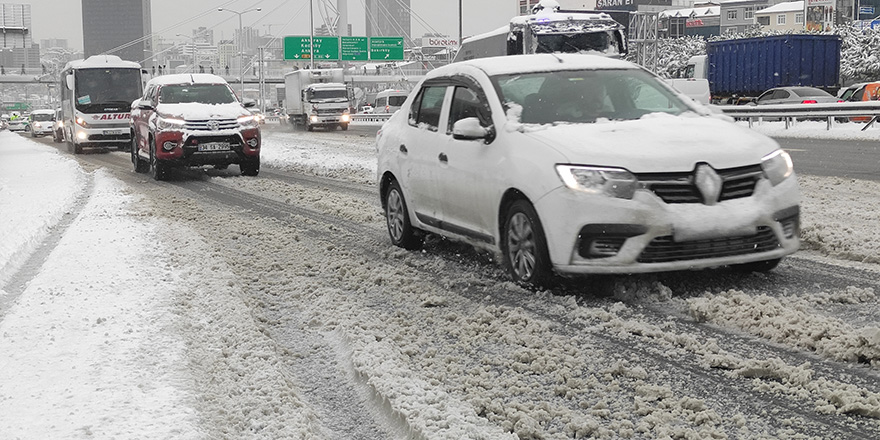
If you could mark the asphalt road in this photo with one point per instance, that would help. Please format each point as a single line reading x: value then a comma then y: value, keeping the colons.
x: 834, y: 158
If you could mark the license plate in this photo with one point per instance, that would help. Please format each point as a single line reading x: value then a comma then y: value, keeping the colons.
x: 214, y: 146
x: 112, y: 131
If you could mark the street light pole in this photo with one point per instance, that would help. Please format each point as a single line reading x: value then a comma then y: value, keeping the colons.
x: 192, y: 52
x: 240, y: 45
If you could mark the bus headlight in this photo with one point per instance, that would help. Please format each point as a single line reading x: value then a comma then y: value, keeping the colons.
x: 82, y: 122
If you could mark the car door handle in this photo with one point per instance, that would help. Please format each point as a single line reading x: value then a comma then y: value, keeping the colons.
x: 443, y: 158
x: 403, y: 149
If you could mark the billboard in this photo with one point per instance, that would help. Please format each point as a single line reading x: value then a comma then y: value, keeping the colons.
x: 819, y: 15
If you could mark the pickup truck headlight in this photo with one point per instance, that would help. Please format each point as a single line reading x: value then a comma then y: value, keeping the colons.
x: 248, y: 121
x: 777, y: 166
x: 169, y: 124
x: 612, y: 182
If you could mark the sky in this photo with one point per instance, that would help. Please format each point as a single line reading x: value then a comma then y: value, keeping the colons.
x: 63, y: 18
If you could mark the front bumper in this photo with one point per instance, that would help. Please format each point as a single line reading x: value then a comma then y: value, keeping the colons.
x: 185, y: 148
x: 589, y: 234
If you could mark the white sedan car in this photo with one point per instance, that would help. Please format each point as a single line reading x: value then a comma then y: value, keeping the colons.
x: 581, y: 164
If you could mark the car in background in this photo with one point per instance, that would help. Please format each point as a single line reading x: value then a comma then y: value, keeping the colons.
x: 258, y: 116
x: 572, y: 164
x: 795, y: 95
x: 18, y: 123
x: 192, y: 120
x: 869, y: 91
x: 389, y: 101
x: 41, y: 122
x: 367, y: 109
x: 58, y: 128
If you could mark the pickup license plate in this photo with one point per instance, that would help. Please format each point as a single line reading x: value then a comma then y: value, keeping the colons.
x: 112, y: 131
x: 214, y: 146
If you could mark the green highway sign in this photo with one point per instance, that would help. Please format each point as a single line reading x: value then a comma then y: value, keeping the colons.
x: 353, y: 49
x: 297, y: 48
x: 386, y: 48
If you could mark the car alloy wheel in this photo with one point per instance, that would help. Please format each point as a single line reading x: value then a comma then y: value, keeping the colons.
x: 399, y: 228
x: 525, y: 248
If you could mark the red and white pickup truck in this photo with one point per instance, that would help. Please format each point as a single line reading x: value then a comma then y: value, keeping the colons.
x: 192, y: 120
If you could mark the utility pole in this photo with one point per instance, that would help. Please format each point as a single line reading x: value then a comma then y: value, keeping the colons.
x: 240, y: 45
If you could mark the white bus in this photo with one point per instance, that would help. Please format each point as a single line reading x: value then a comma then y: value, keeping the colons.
x: 96, y: 97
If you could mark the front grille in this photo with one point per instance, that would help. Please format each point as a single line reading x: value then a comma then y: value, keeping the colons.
x: 680, y: 187
x: 329, y: 111
x: 665, y: 249
x: 207, y: 125
x: 110, y: 137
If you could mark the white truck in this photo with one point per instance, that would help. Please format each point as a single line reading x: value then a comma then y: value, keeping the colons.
x: 549, y: 29
x: 317, y: 98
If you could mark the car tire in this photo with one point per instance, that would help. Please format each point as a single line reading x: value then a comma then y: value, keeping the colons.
x: 757, y: 266
x: 310, y: 127
x: 140, y: 166
x: 524, y: 246
x: 56, y: 137
x: 250, y: 167
x: 400, y: 229
x: 158, y: 168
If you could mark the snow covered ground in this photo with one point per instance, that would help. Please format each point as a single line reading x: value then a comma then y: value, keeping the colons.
x: 93, y: 347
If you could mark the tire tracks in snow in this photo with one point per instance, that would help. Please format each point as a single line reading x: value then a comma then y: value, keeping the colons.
x: 705, y: 381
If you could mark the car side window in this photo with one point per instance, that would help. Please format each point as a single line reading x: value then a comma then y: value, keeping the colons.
x: 427, y: 106
x: 467, y: 104
x: 781, y: 94
x: 766, y: 96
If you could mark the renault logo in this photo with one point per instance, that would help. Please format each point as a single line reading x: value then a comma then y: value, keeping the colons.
x: 213, y: 125
x: 709, y: 183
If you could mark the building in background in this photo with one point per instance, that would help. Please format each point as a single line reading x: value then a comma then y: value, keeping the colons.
x: 17, y: 49
x: 118, y: 27
x: 788, y: 16
x: 389, y: 18
x: 56, y: 43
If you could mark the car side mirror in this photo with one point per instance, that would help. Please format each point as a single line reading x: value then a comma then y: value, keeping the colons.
x: 249, y: 104
x: 145, y: 105
x: 470, y: 129
x: 68, y: 80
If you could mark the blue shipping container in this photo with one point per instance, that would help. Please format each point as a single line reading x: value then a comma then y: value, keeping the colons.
x: 750, y: 66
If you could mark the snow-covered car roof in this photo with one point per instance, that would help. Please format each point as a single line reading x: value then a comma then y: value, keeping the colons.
x: 187, y: 78
x: 534, y: 63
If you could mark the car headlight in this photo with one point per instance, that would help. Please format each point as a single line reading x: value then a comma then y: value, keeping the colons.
x: 248, y: 121
x: 169, y: 123
x: 345, y: 117
x: 612, y: 182
x: 777, y: 166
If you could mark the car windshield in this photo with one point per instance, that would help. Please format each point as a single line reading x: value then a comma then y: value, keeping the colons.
x: 41, y: 117
x: 198, y: 93
x: 583, y: 96
x: 397, y: 100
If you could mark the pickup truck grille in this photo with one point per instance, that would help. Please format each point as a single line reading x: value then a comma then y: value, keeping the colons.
x: 680, y: 188
x: 212, y: 124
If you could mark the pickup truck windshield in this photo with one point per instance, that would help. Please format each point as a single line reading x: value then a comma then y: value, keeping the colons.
x: 200, y: 93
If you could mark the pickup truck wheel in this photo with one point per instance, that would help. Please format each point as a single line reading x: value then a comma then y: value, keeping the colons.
x: 158, y: 168
x: 250, y: 167
x: 140, y: 166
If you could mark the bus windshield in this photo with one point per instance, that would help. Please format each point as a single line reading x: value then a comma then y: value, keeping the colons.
x: 97, y: 88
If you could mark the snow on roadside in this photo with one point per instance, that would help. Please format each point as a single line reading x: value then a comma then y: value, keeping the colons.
x: 816, y: 130
x: 27, y: 209
x: 337, y: 155
x: 87, y: 351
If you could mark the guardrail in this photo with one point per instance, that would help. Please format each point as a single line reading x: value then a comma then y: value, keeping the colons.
x: 370, y: 117
x: 789, y: 112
